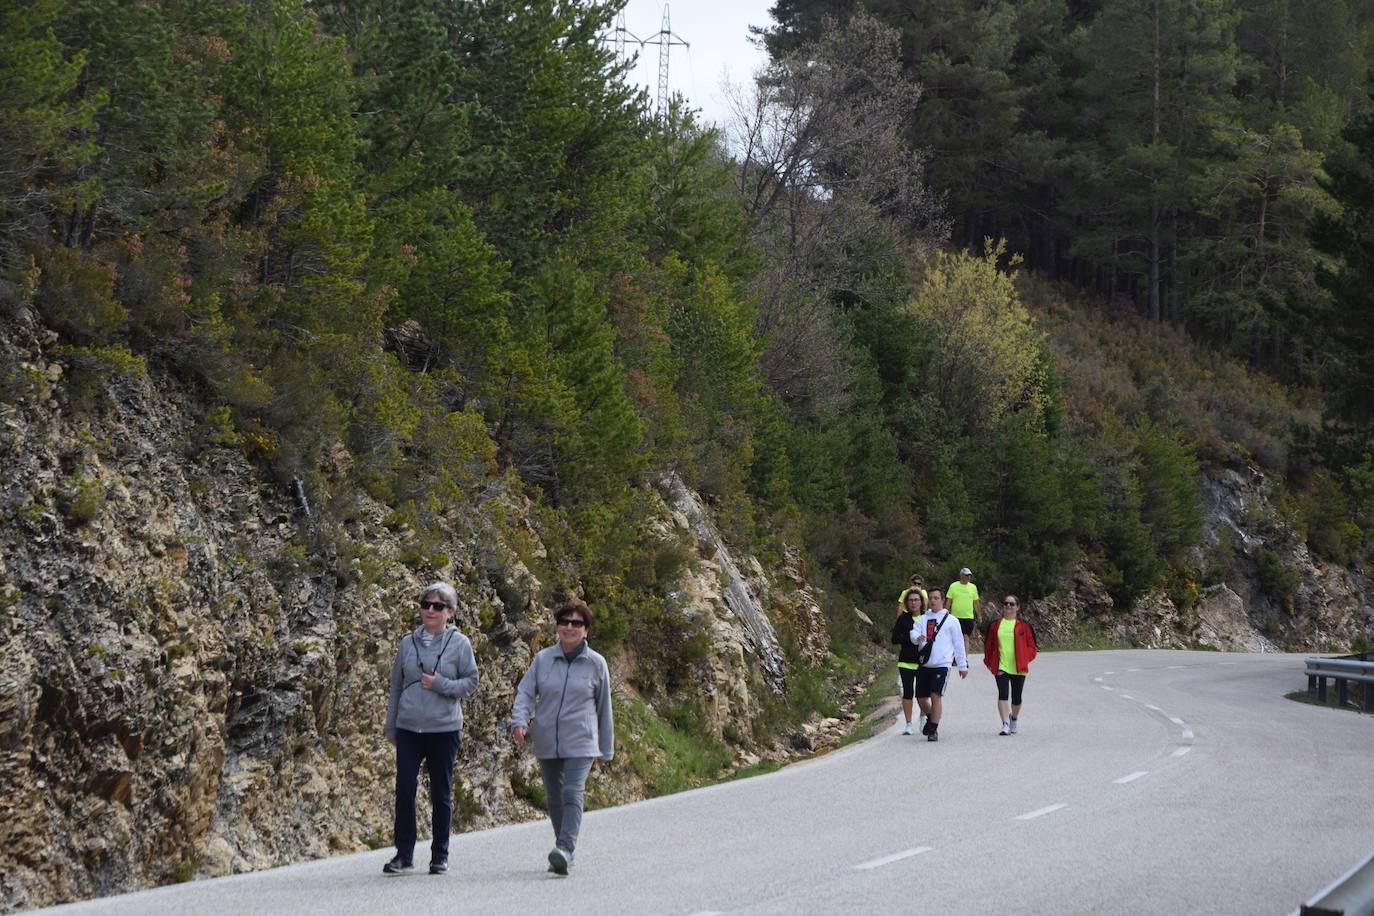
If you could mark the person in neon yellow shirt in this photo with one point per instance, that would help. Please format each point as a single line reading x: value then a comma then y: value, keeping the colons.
x: 963, y: 601
x: 1008, y: 650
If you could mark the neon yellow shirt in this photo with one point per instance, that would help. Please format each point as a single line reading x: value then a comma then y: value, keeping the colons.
x: 962, y: 599
x: 1006, y: 646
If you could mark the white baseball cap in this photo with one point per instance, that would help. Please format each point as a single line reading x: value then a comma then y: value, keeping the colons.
x: 965, y: 571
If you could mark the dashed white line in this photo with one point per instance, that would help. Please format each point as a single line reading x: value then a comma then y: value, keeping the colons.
x: 1129, y: 670
x: 1187, y: 734
x: 1131, y: 777
x: 1177, y: 721
x: 1038, y: 812
x: 1105, y: 687
x: 1108, y: 673
x: 1179, y: 752
x: 1155, y: 708
x: 895, y: 857
x: 1097, y: 680
x: 1127, y: 696
x: 1175, y: 667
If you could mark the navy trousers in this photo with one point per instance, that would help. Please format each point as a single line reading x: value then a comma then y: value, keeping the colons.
x: 438, y: 750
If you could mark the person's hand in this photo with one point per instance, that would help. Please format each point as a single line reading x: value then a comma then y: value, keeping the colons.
x: 427, y: 681
x: 519, y: 734
x: 964, y: 673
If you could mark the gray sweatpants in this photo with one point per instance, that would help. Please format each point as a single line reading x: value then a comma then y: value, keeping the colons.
x: 565, y: 779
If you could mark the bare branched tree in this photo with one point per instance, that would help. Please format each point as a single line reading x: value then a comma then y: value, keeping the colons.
x: 832, y: 187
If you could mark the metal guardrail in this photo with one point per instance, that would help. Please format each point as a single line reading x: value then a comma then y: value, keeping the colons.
x: 1352, y: 894
x: 1358, y: 669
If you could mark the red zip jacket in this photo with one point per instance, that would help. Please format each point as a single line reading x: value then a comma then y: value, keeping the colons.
x: 1023, y: 638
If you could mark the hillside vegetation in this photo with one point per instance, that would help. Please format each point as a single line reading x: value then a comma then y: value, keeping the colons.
x: 307, y: 303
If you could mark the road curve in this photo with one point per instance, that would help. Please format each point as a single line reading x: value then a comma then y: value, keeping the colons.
x: 1140, y: 782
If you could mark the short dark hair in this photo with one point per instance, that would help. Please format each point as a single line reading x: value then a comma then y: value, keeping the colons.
x: 577, y: 604
x: 936, y: 591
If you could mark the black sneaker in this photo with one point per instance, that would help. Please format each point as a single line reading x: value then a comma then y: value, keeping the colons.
x: 933, y: 736
x: 397, y: 866
x: 928, y: 728
x: 438, y: 866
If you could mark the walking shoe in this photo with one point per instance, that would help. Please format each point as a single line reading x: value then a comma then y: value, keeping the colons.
x: 438, y: 866
x: 1006, y: 729
x: 558, y: 861
x: 924, y: 719
x: 933, y: 736
x: 397, y: 865
x: 1012, y: 724
x: 908, y: 729
x: 927, y: 726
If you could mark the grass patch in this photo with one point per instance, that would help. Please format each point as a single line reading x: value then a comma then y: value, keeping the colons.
x: 1354, y: 703
x: 1087, y: 636
x: 665, y: 759
x: 881, y: 689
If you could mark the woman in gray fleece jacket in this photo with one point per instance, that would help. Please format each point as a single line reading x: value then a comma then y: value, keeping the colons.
x: 433, y: 671
x: 568, y: 692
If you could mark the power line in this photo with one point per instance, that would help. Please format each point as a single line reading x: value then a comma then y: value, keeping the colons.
x: 665, y: 38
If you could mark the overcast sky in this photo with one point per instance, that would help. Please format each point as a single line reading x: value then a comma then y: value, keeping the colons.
x: 718, y: 34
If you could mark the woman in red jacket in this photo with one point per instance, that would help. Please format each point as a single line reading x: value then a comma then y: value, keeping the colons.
x: 1008, y: 649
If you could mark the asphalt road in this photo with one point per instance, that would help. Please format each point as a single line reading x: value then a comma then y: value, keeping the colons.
x: 1140, y: 782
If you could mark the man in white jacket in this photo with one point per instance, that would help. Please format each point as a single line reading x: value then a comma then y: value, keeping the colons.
x: 946, y: 647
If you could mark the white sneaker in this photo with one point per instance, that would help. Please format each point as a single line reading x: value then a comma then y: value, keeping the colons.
x: 1006, y: 729
x: 924, y: 720
x: 908, y: 729
x: 1013, y: 725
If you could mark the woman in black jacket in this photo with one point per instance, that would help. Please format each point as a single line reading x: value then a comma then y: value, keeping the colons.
x: 906, y: 655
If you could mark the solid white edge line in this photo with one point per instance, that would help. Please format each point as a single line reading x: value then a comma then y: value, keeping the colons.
x: 895, y: 857
x: 1132, y: 777
x: 1179, y: 752
x: 1039, y: 812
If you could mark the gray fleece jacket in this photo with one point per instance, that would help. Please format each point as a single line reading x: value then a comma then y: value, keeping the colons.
x: 449, y: 657
x: 571, y: 705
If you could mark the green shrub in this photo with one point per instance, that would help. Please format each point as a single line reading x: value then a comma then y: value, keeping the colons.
x: 82, y: 499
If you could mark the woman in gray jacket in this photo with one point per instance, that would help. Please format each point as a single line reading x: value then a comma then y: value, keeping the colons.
x: 434, y: 670
x: 568, y: 692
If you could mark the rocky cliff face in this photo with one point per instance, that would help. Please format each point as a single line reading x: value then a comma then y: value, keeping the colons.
x: 1262, y: 589
x: 187, y: 691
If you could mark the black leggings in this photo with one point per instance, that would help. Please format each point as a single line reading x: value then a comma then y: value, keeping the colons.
x: 908, y: 676
x: 1010, y: 682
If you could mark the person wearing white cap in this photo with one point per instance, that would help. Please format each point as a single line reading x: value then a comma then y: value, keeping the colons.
x: 963, y: 601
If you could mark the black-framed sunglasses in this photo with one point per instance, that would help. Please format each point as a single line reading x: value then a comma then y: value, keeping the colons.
x: 571, y: 622
x: 1009, y: 604
x: 433, y: 606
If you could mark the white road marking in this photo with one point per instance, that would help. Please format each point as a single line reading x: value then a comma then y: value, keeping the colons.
x: 1108, y: 673
x: 1048, y: 809
x: 895, y: 857
x: 1129, y: 670
x: 1105, y: 687
x: 1131, y: 777
x: 1155, y: 708
x: 1127, y: 696
x: 1187, y: 734
x: 1174, y: 667
x: 1177, y: 721
x: 1179, y: 752
x: 1097, y: 680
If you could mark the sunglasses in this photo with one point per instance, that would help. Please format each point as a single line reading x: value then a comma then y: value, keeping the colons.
x: 433, y: 606
x: 572, y: 622
x: 1009, y: 604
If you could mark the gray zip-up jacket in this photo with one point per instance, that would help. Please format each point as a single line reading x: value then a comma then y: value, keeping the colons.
x: 449, y: 657
x: 571, y: 705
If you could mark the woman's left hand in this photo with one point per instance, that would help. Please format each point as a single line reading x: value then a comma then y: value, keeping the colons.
x: 427, y: 681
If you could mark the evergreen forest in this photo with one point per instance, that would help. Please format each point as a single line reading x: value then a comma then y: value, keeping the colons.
x: 983, y: 284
